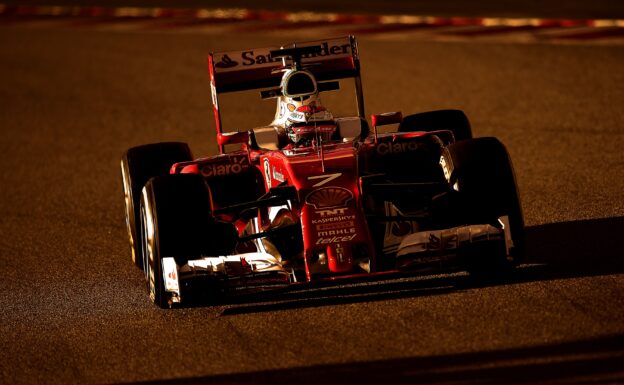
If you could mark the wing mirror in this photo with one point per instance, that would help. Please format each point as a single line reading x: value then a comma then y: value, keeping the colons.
x: 232, y: 138
x: 384, y: 119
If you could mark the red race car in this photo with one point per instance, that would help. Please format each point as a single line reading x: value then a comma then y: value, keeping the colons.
x: 312, y: 197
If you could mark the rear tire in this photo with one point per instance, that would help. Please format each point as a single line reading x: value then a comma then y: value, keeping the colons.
x: 455, y: 121
x: 177, y: 222
x: 481, y: 173
x: 138, y: 165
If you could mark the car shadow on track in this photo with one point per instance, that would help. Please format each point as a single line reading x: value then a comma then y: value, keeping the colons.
x: 554, y: 251
x: 578, y: 248
x: 592, y: 361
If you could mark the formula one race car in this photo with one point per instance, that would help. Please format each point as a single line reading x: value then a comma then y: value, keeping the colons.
x: 312, y: 197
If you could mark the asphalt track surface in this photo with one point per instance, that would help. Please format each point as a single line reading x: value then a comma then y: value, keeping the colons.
x: 75, y: 310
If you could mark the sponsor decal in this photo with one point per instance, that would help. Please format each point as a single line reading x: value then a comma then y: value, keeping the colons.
x: 331, y: 219
x: 213, y: 93
x: 267, y: 172
x: 324, y: 179
x: 330, y: 233
x: 335, y: 239
x: 340, y: 252
x: 226, y: 62
x: 312, y: 128
x: 329, y: 197
x: 330, y: 50
x: 334, y: 226
x: 311, y: 108
x: 331, y: 212
x: 170, y: 271
x: 445, y: 169
x: 249, y: 58
x: 445, y: 241
x: 339, y: 218
x: 241, y: 60
x: 261, y: 57
x: 396, y: 148
x: 297, y: 117
x: 278, y: 176
x: 291, y: 107
x: 235, y: 166
x: 307, y: 114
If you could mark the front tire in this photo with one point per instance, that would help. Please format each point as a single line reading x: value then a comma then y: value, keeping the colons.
x: 138, y: 165
x: 481, y: 174
x: 177, y: 222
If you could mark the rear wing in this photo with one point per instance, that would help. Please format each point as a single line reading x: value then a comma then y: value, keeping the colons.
x: 252, y: 69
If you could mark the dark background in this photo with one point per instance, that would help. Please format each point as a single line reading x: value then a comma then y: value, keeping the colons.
x: 75, y: 310
x: 578, y: 9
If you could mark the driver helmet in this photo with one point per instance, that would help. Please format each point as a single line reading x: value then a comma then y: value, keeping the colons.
x: 300, y: 111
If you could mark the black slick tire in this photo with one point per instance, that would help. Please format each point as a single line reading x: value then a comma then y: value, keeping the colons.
x: 481, y: 173
x: 176, y: 222
x: 138, y: 165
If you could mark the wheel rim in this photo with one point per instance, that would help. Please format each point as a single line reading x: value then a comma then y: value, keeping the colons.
x: 148, y: 252
x: 129, y: 210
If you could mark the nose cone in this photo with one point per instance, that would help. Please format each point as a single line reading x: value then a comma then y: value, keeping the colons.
x: 340, y: 259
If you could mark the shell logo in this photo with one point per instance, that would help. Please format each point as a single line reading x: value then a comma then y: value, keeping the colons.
x: 328, y: 197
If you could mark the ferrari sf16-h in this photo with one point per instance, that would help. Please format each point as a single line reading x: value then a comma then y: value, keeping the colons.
x: 312, y: 197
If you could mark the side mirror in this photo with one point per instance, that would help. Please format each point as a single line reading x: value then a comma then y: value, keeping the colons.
x: 232, y: 138
x: 386, y: 118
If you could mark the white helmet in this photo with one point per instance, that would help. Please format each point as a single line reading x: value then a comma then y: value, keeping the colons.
x: 299, y: 109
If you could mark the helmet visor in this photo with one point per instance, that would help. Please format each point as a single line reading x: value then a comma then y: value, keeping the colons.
x: 299, y: 84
